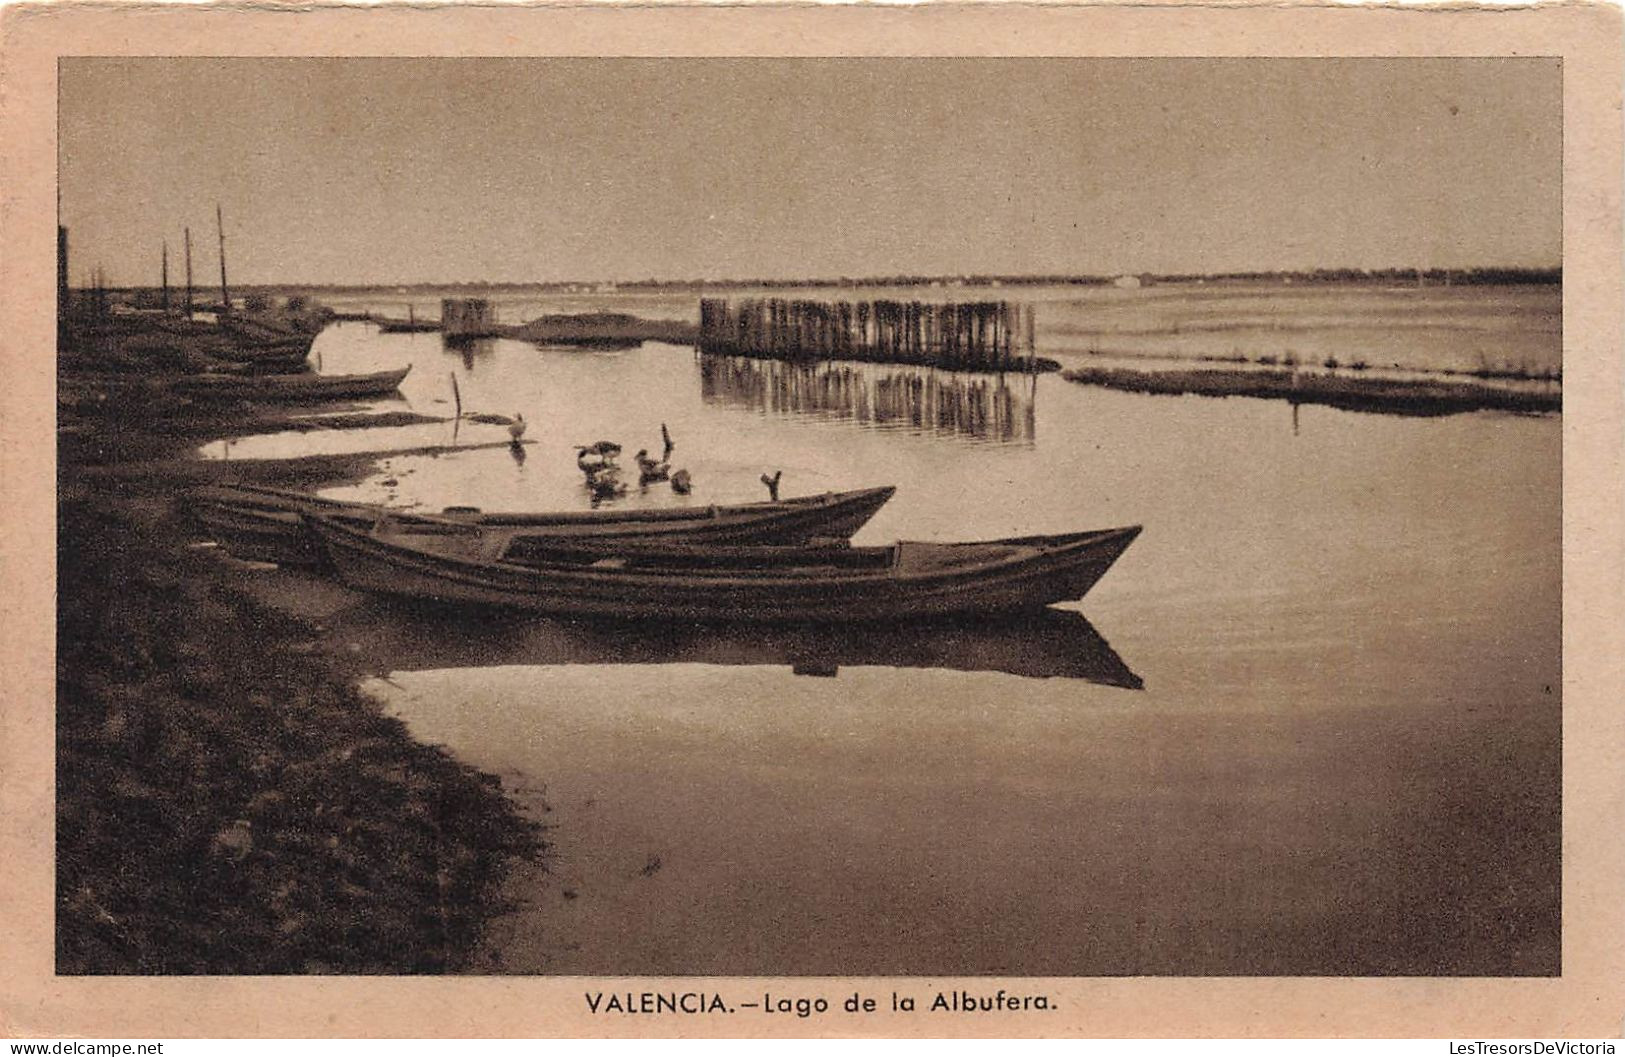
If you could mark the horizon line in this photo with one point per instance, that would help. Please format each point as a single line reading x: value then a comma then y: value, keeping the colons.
x: 905, y: 278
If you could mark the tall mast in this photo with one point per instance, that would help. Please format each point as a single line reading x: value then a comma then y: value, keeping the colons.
x: 63, y: 298
x: 220, y: 226
x: 166, y: 275
x: 188, y: 273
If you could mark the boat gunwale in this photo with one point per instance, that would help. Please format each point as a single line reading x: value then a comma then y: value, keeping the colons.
x: 207, y: 382
x: 820, y: 503
x: 468, y: 570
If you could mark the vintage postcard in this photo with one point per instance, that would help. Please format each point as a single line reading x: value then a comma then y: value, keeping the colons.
x: 790, y: 521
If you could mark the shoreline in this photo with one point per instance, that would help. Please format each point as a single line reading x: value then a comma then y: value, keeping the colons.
x: 228, y: 799
x: 1374, y: 395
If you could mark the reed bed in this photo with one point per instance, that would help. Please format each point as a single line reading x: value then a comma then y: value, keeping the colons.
x: 1351, y: 393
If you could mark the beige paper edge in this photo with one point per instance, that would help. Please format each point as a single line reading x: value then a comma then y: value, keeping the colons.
x: 1588, y: 1000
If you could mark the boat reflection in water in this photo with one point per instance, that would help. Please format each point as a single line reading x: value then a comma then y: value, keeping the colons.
x: 413, y: 635
x: 980, y: 406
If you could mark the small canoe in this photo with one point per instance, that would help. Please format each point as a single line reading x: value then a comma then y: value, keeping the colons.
x: 289, y: 388
x: 408, y: 326
x: 641, y: 581
x: 265, y: 523
x: 261, y: 363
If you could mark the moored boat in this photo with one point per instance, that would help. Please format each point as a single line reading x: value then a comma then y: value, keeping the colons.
x: 260, y: 333
x: 408, y: 326
x: 165, y: 344
x: 265, y: 523
x: 641, y: 581
x: 261, y: 361
x: 289, y: 388
x: 240, y: 340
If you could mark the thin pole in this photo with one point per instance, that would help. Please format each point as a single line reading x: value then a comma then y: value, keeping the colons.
x: 220, y: 226
x: 188, y: 273
x: 62, y: 296
x: 166, y: 276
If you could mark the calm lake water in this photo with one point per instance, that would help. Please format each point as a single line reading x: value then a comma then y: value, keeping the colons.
x: 1309, y: 724
x: 1401, y: 326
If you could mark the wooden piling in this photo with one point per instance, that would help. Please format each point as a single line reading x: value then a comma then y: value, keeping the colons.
x: 188, y: 273
x: 220, y: 226
x: 976, y: 336
x: 62, y: 295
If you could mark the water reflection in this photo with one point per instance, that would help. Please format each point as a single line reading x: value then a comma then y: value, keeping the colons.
x: 408, y: 635
x: 470, y: 350
x: 982, y: 406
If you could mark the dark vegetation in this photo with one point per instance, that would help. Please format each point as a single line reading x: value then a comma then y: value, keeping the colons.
x: 601, y: 330
x: 226, y: 803
x: 227, y: 800
x: 1391, y: 396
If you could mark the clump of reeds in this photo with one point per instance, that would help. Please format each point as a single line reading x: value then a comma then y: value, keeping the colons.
x: 1519, y: 371
x: 1393, y: 396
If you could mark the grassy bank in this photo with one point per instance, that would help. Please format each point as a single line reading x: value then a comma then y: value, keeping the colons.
x: 607, y: 329
x: 1384, y: 395
x: 227, y: 801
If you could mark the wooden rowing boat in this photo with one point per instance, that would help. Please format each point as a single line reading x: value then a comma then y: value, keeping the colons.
x: 173, y: 346
x: 265, y: 523
x: 260, y: 334
x: 289, y: 388
x: 640, y: 581
x: 408, y: 326
x: 239, y: 339
x: 260, y: 362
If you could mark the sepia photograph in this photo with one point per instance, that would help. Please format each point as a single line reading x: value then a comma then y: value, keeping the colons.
x: 786, y: 517
x: 952, y: 522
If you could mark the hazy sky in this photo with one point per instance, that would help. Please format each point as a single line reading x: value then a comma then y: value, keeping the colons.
x: 399, y: 170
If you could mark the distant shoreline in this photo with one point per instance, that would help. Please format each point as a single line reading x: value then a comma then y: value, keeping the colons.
x: 1411, y: 277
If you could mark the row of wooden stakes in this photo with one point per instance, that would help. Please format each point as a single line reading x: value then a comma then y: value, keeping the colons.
x: 978, y: 335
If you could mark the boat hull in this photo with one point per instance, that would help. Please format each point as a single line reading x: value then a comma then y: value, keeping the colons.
x: 1028, y: 576
x: 266, y: 524
x: 258, y: 336
x: 292, y: 388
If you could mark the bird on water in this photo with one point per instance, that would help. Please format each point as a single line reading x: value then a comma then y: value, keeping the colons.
x: 651, y: 469
x: 597, y: 463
